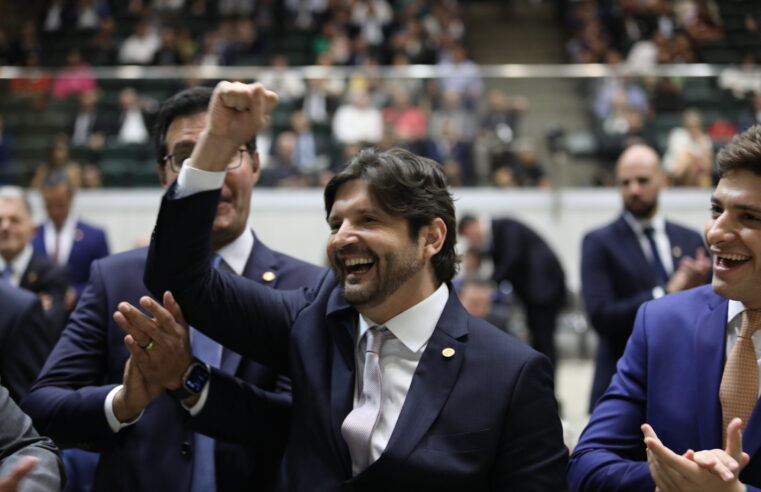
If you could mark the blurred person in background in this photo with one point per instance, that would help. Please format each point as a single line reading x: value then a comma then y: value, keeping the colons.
x: 688, y: 159
x: 638, y: 257
x: 59, y: 159
x: 63, y: 237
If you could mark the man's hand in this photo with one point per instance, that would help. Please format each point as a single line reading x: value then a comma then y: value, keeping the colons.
x: 692, y: 272
x: 674, y: 473
x: 237, y: 112
x: 22, y: 469
x: 160, y: 346
x: 725, y: 463
x: 135, y: 394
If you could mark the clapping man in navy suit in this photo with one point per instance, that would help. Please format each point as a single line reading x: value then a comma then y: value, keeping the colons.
x: 395, y: 385
x: 64, y: 238
x: 89, y: 394
x: 682, y: 412
x: 638, y: 257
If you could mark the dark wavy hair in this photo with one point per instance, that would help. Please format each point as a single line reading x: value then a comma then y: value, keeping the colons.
x: 187, y: 102
x: 409, y: 186
x: 743, y: 152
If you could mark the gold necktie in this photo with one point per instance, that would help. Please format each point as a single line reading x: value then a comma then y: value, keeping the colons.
x: 739, y: 384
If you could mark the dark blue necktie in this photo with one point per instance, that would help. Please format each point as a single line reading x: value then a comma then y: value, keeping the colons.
x: 658, y: 268
x: 204, y: 468
x: 7, y: 272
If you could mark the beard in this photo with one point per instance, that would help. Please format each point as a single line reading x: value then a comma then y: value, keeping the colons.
x: 641, y: 209
x: 392, y: 270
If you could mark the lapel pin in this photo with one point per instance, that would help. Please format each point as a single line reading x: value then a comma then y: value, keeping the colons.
x: 447, y: 352
x: 676, y: 251
x: 268, y: 276
x: 79, y: 235
x: 32, y: 277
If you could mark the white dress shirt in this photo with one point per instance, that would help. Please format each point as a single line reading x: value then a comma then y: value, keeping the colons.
x: 399, y: 358
x: 734, y: 322
x: 67, y: 234
x: 236, y: 255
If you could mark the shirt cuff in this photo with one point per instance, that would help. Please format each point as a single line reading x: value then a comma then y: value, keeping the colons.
x: 658, y: 292
x: 196, y: 409
x: 192, y: 180
x: 108, y: 407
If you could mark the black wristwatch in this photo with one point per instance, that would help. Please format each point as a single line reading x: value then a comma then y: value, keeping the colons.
x: 193, y: 381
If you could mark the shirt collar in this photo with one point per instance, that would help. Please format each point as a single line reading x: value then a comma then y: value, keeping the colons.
x: 20, y: 262
x: 657, y: 222
x: 414, y: 326
x: 734, y: 309
x: 237, y: 252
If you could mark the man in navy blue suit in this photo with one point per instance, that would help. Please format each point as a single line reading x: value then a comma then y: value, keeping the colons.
x: 673, y: 381
x: 395, y: 385
x: 619, y: 268
x: 25, y: 339
x: 89, y: 395
x: 64, y: 238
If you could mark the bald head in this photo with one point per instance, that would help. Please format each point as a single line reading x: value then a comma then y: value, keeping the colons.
x: 640, y: 179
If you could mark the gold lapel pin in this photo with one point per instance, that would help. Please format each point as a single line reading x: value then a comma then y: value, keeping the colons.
x: 447, y: 352
x: 268, y: 276
x: 32, y: 277
x: 676, y: 251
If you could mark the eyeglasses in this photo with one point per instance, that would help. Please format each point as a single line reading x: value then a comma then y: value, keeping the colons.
x: 175, y: 160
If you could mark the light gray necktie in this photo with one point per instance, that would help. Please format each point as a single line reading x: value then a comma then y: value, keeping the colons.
x: 358, y: 426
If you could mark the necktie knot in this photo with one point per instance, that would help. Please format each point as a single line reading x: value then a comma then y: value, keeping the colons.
x: 751, y: 322
x: 374, y: 338
x: 648, y: 230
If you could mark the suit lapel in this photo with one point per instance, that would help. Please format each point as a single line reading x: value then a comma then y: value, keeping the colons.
x: 343, y: 320
x: 710, y: 334
x: 434, y: 378
x: 630, y: 249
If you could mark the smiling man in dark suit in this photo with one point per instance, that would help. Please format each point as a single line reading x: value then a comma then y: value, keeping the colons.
x: 89, y: 395
x: 19, y: 264
x: 395, y: 385
x: 638, y: 257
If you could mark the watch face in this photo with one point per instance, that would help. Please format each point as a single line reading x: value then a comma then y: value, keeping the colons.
x: 197, y: 378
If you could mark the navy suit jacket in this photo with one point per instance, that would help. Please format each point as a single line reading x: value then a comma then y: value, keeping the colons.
x: 484, y: 419
x: 668, y: 377
x: 89, y: 245
x: 25, y: 339
x: 67, y: 400
x: 43, y: 275
x: 521, y: 256
x: 616, y: 278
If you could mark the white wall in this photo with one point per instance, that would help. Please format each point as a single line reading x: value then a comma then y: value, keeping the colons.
x: 293, y: 221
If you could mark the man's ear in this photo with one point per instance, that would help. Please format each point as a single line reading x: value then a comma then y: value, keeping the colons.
x: 256, y: 166
x: 432, y: 237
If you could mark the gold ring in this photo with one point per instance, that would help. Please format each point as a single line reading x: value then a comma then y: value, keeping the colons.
x: 148, y: 347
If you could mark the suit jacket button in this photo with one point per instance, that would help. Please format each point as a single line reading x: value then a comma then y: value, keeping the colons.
x: 185, y: 449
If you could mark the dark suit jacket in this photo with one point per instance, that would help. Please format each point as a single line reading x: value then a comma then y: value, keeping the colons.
x: 66, y: 402
x: 18, y: 439
x: 616, y: 278
x: 45, y: 276
x: 484, y: 419
x: 525, y: 259
x: 89, y: 245
x: 668, y: 377
x: 25, y: 340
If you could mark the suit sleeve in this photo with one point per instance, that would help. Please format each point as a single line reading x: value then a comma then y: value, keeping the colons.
x: 25, y: 348
x: 610, y: 315
x: 261, y: 417
x: 610, y: 454
x: 66, y: 401
x: 533, y: 457
x: 19, y: 439
x: 251, y: 319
